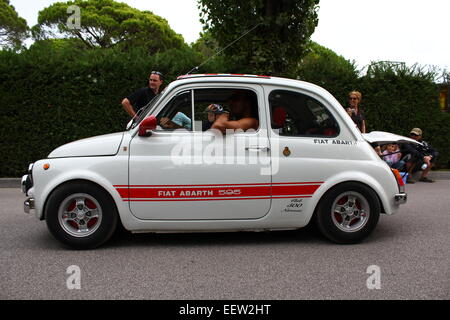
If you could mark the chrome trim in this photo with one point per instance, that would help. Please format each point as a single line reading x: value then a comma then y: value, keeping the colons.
x: 28, y: 205
x: 27, y: 180
x: 257, y: 148
x: 23, y: 183
x: 400, y: 198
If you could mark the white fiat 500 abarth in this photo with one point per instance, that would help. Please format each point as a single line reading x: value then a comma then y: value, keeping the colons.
x: 185, y: 164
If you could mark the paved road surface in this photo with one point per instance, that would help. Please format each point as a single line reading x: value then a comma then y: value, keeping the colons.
x: 411, y: 249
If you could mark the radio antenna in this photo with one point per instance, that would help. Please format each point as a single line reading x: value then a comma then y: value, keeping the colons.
x: 220, y: 51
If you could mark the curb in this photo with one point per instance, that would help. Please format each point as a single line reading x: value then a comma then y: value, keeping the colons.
x: 440, y: 175
x: 15, y: 182
x: 10, y: 183
x: 435, y: 175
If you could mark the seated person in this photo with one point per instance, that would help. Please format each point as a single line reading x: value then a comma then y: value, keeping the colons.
x: 180, y: 120
x: 279, y: 116
x: 242, y: 115
x: 377, y: 149
x: 419, y: 156
x: 213, y: 111
x: 392, y: 156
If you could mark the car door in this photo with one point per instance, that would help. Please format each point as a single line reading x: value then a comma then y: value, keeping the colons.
x: 181, y: 172
x: 311, y: 146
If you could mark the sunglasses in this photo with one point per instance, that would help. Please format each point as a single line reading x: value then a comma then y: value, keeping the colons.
x: 413, y: 135
x: 157, y: 73
x: 353, y: 98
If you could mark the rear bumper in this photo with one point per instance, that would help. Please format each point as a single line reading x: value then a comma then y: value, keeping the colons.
x: 400, y: 198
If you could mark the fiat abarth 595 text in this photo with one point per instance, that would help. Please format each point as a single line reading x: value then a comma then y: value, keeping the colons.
x: 175, y: 170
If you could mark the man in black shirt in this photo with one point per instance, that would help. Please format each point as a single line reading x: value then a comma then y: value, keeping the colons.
x: 143, y: 96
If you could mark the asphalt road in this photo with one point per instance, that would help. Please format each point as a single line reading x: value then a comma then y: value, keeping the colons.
x: 411, y: 249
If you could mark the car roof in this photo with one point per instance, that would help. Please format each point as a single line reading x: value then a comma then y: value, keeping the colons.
x: 221, y: 75
x: 247, y: 78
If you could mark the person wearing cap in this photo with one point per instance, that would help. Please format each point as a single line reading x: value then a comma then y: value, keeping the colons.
x: 139, y: 99
x: 419, y: 156
x: 213, y: 111
x: 243, y: 114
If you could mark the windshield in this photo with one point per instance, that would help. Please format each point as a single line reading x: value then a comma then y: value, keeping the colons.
x: 140, y: 115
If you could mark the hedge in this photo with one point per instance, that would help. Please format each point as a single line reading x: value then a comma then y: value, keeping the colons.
x: 49, y: 97
x: 399, y: 98
x: 396, y: 98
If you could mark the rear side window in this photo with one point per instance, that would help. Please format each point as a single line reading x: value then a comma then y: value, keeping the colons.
x: 296, y: 114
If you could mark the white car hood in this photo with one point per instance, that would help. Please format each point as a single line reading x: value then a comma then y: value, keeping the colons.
x: 105, y: 145
x: 382, y: 137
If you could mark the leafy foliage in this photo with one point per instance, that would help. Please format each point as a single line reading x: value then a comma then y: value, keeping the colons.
x: 325, y: 68
x: 57, y: 91
x: 397, y: 98
x: 211, y: 62
x: 53, y: 96
x: 13, y: 29
x: 279, y: 36
x: 106, y: 24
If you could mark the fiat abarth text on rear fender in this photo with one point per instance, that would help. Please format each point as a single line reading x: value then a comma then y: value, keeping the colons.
x: 220, y: 152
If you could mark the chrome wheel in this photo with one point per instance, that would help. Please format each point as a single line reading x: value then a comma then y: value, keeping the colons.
x: 80, y: 215
x: 350, y: 211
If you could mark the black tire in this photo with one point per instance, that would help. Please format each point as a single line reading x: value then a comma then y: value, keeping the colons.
x: 102, y: 227
x: 365, y: 204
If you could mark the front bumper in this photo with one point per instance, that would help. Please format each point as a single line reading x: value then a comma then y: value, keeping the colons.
x: 28, y: 205
x: 400, y: 198
x: 26, y: 186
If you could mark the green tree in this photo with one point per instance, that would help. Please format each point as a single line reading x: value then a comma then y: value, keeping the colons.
x: 55, y: 45
x: 207, y: 48
x: 280, y: 32
x: 206, y: 45
x: 13, y: 29
x: 329, y: 70
x: 106, y: 24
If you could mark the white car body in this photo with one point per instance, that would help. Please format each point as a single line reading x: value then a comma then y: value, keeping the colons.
x: 152, y: 194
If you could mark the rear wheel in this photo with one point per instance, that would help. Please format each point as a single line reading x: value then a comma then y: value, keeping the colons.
x: 348, y: 213
x: 81, y: 215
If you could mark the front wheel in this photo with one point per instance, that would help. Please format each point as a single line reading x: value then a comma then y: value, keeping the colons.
x: 348, y: 213
x: 81, y: 215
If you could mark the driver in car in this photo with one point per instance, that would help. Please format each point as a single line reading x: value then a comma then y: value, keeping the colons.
x: 242, y: 116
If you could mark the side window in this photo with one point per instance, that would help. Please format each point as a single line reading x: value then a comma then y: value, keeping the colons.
x: 211, y: 103
x: 177, y: 113
x: 296, y: 114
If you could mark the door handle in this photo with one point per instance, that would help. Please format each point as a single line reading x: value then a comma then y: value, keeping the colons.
x: 257, y: 148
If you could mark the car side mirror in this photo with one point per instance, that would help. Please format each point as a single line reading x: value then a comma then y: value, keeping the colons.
x: 147, y: 125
